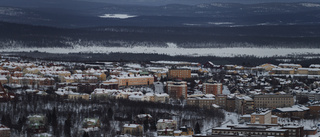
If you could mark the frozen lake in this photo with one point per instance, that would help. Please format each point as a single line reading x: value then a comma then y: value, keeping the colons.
x: 173, y: 50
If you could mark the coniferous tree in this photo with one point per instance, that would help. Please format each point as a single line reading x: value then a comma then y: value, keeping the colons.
x: 142, y: 111
x: 3, y: 119
x: 54, y: 120
x: 67, y: 127
x: 197, y: 129
x: 85, y: 134
x: 146, y: 125
x: 110, y: 113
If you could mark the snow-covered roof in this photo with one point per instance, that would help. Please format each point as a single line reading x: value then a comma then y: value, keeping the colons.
x: 314, y: 66
x: 295, y: 108
x: 131, y: 125
x: 144, y: 116
x: 162, y: 95
x: 290, y: 65
x: 166, y: 121
x: 132, y: 77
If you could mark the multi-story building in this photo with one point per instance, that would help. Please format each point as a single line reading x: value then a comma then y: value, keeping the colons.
x: 211, y: 87
x: 230, y: 104
x: 295, y: 111
x: 221, y: 100
x: 135, y: 80
x: 202, y: 102
x: 267, y: 66
x: 302, y: 71
x: 263, y: 117
x: 177, y: 89
x: 179, y: 73
x: 314, y: 71
x: 295, y: 131
x: 282, y: 71
x: 244, y: 104
x: 259, y: 130
x: 287, y: 65
x: 249, y: 131
x: 273, y: 101
x: 162, y: 97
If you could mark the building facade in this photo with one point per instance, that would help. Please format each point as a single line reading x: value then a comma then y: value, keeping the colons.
x: 177, y: 89
x: 4, y: 131
x: 135, y: 80
x: 273, y: 101
x: 132, y: 129
x: 244, y: 105
x: 179, y: 73
x: 212, y: 88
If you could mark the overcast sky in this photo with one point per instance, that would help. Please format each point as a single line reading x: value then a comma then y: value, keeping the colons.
x: 163, y: 2
x: 145, y: 2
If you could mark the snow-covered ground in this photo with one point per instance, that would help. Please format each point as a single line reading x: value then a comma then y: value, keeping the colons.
x: 173, y: 50
x: 117, y: 16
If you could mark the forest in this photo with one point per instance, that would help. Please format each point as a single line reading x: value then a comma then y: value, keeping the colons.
x: 278, y: 36
x: 65, y: 117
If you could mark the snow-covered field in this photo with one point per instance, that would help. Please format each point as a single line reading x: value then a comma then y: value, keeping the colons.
x: 118, y: 16
x: 173, y: 50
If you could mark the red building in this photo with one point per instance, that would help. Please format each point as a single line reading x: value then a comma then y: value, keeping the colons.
x: 211, y: 87
x: 177, y: 89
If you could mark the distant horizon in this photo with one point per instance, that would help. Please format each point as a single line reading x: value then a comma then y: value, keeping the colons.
x: 195, y: 2
x: 53, y: 3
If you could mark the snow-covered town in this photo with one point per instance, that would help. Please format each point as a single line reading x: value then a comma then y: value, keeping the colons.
x: 157, y: 98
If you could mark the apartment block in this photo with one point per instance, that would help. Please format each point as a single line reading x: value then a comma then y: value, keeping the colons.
x: 135, y: 80
x: 211, y: 87
x: 273, y: 101
x: 179, y: 73
x: 244, y: 105
x: 263, y: 117
x: 177, y: 89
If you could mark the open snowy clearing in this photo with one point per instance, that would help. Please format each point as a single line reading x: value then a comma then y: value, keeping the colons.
x: 117, y: 16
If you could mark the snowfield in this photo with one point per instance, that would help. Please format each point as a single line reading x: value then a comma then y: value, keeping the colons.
x: 117, y: 16
x: 173, y: 50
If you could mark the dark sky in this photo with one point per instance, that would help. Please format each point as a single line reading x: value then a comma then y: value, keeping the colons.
x: 163, y: 2
x: 141, y: 2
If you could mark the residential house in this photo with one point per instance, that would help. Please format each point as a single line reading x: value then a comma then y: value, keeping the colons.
x: 166, y: 132
x: 132, y: 129
x: 184, y: 131
x: 90, y: 124
x: 37, y: 124
x: 101, y: 93
x: 166, y: 124
x: 4, y: 131
x: 143, y: 117
x: 162, y: 98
